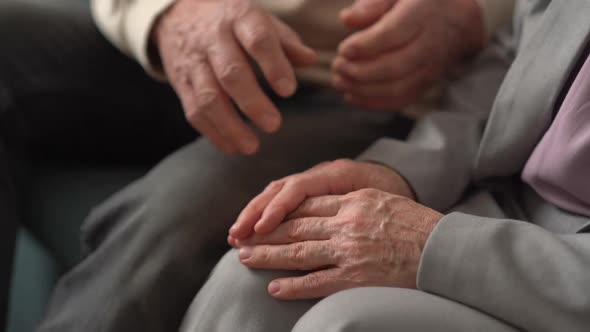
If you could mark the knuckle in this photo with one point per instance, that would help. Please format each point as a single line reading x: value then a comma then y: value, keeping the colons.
x: 343, y: 163
x: 294, y: 184
x: 193, y: 115
x: 311, y: 281
x: 299, y: 253
x: 232, y: 74
x: 275, y: 185
x: 207, y: 99
x: 261, y: 256
x: 293, y: 232
x: 368, y: 192
x: 258, y: 39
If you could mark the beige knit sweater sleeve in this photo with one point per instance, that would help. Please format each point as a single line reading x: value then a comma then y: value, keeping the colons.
x: 128, y: 23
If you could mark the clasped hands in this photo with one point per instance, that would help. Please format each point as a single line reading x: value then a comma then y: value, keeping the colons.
x: 350, y: 224
x: 209, y: 50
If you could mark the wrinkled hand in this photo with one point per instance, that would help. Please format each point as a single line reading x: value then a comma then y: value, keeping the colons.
x: 266, y: 211
x: 205, y: 46
x: 365, y: 238
x: 402, y: 48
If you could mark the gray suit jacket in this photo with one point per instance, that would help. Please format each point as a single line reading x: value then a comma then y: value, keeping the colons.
x: 519, y: 272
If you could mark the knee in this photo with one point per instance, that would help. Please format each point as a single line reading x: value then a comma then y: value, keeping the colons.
x: 240, y: 283
x: 235, y: 298
x: 393, y: 309
x: 370, y: 309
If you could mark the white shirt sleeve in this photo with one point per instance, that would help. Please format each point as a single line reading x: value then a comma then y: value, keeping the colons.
x: 128, y: 24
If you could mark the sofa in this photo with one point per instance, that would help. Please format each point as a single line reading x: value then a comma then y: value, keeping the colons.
x: 59, y: 198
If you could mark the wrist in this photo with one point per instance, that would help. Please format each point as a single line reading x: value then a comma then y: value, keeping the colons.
x: 396, y: 183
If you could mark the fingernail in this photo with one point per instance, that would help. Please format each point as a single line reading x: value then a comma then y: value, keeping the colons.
x: 270, y: 122
x: 286, y: 87
x: 245, y: 253
x: 274, y: 287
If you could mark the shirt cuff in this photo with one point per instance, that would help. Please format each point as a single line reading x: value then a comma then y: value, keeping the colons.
x: 135, y: 25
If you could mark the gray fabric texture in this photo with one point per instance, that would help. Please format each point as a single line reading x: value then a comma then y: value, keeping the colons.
x: 151, y: 246
x: 235, y: 299
x: 520, y: 273
x: 480, y: 256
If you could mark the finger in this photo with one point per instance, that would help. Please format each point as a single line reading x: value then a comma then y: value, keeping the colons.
x: 289, y: 198
x: 232, y: 241
x: 297, y: 52
x: 293, y: 231
x: 213, y: 104
x: 302, y: 256
x: 255, y: 32
x: 185, y: 91
x: 321, y: 206
x: 317, y: 181
x: 364, y: 13
x: 237, y: 78
x: 244, y: 226
x: 390, y: 65
x: 311, y: 286
x: 397, y: 28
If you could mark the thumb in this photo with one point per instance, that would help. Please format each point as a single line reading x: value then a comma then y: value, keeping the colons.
x: 364, y: 13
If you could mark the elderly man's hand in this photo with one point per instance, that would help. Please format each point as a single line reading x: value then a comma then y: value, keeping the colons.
x: 402, y: 48
x: 266, y: 211
x: 205, y: 46
x: 365, y: 238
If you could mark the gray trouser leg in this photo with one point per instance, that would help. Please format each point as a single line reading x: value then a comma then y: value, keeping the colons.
x: 153, y: 245
x: 235, y: 298
x: 393, y: 309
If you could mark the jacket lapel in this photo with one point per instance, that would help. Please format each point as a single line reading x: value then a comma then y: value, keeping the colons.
x: 522, y: 111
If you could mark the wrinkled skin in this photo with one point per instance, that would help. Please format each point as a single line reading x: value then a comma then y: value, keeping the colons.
x: 402, y: 47
x: 205, y: 48
x: 364, y: 238
x: 267, y: 210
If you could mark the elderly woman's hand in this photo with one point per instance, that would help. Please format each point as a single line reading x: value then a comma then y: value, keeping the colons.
x: 402, y: 48
x: 365, y: 238
x: 267, y: 210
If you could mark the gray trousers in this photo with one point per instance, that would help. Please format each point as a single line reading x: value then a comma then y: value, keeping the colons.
x: 235, y: 298
x: 150, y: 248
x: 67, y: 95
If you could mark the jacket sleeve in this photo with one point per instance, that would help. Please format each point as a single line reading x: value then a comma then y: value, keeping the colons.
x: 516, y: 271
x: 437, y: 158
